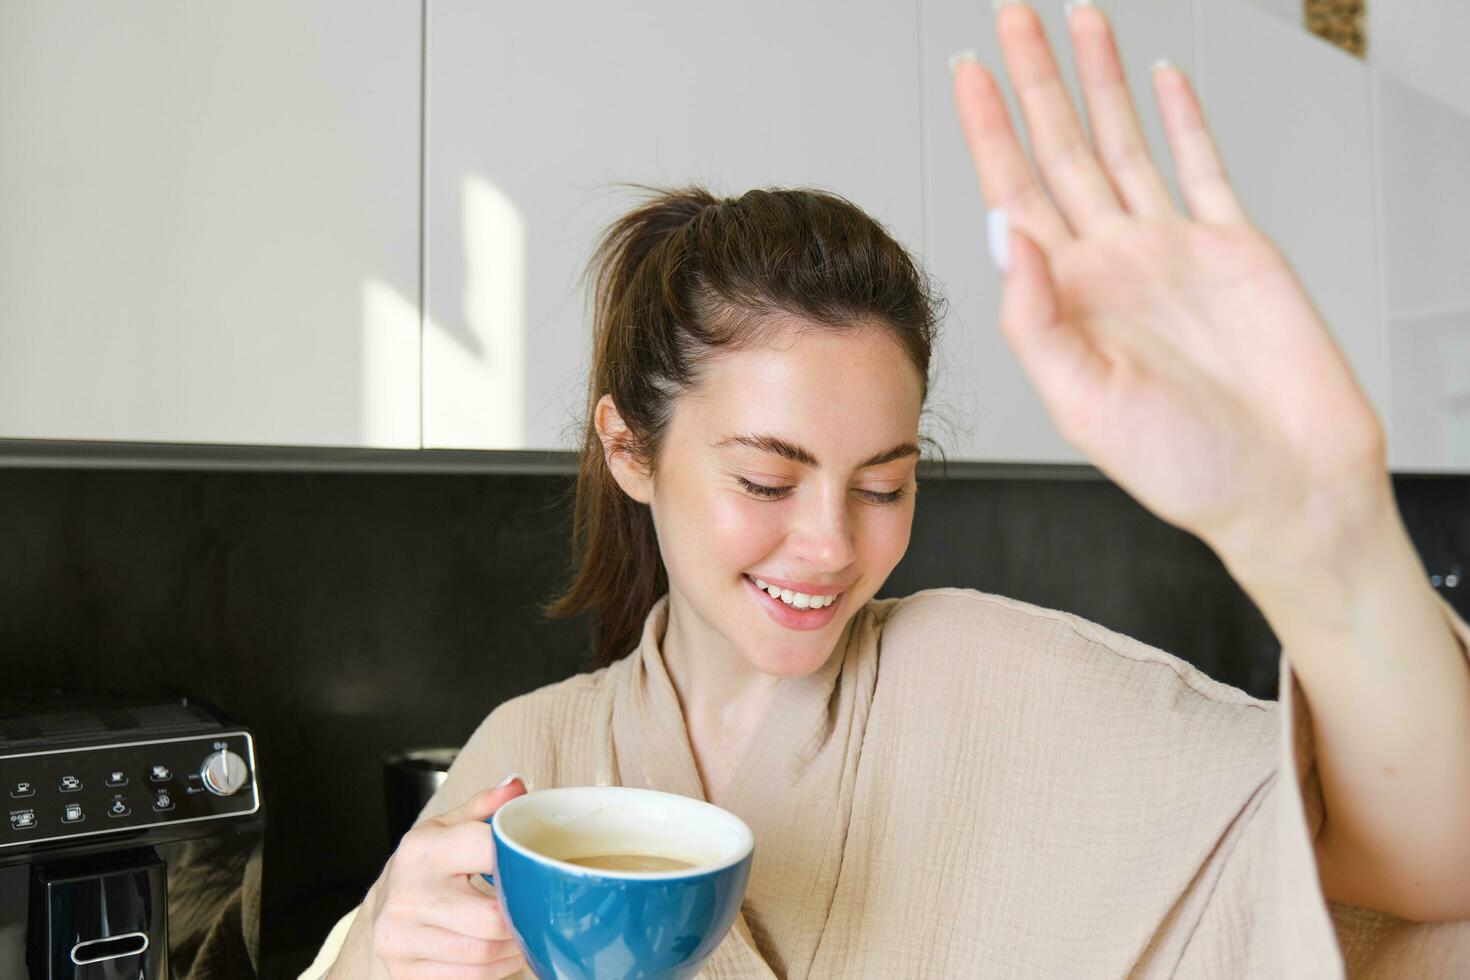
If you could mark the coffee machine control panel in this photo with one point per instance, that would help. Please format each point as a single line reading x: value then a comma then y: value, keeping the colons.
x: 59, y: 794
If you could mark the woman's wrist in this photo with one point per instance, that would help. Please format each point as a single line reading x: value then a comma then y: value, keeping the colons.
x: 1316, y: 556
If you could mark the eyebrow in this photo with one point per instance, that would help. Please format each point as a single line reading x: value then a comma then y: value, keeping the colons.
x: 780, y: 447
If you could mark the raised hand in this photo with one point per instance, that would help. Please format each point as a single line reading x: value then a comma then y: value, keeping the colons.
x: 1179, y: 353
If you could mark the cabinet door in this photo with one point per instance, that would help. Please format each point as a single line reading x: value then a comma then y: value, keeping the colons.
x: 1431, y: 391
x: 1422, y: 43
x: 211, y: 221
x: 1425, y: 153
x: 536, y: 109
x: 999, y: 416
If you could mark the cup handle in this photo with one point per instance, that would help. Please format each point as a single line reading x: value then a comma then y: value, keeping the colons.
x: 489, y: 877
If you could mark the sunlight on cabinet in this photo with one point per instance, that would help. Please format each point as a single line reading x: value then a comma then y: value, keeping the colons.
x: 475, y: 357
x: 390, y: 358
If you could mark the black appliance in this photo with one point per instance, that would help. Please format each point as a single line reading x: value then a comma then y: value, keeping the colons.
x: 132, y: 838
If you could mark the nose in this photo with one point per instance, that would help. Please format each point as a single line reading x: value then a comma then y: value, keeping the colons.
x: 822, y: 534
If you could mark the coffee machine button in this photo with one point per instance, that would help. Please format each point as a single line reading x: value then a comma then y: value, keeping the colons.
x: 73, y: 813
x: 118, y: 808
x: 163, y: 801
x: 22, y: 819
x: 116, y: 779
x: 22, y: 789
x: 160, y: 774
x: 70, y: 784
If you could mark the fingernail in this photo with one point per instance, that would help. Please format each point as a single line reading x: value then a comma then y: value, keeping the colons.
x: 998, y: 237
x: 998, y: 233
x: 1072, y: 5
x: 1006, y: 3
x: 958, y: 56
x: 507, y: 779
x: 1161, y: 63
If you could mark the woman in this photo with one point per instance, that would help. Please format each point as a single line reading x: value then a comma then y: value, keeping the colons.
x: 952, y: 783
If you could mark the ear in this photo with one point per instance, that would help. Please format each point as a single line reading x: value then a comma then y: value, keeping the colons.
x: 625, y: 468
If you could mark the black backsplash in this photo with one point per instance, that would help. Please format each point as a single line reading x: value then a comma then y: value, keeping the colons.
x: 343, y: 615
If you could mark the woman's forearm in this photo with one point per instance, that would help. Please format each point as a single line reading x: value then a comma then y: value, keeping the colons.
x: 1388, y: 685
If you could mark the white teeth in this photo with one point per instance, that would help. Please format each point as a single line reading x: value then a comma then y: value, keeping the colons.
x: 798, y: 600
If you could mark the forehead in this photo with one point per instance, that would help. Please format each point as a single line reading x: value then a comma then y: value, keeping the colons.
x: 847, y: 389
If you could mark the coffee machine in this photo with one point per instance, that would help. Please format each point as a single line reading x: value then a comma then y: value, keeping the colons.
x: 132, y: 840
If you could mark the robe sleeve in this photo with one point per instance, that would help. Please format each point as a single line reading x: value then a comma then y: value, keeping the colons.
x: 1267, y: 915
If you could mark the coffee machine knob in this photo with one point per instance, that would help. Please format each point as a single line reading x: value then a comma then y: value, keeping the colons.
x: 223, y: 773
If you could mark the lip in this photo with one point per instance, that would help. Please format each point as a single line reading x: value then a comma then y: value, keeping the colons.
x: 788, y: 616
x: 810, y: 588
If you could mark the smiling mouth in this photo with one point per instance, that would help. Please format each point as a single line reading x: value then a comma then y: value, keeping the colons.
x: 797, y: 601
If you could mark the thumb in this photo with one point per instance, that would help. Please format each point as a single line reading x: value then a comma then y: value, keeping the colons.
x: 485, y: 802
x: 1027, y: 296
x: 1056, y: 355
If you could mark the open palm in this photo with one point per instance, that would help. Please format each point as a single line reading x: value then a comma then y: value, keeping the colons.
x: 1179, y: 353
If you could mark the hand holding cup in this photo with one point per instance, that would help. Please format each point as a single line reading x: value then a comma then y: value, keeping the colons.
x: 429, y: 920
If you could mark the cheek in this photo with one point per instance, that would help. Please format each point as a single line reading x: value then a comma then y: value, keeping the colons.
x: 741, y: 532
x: 885, y: 536
x: 712, y: 534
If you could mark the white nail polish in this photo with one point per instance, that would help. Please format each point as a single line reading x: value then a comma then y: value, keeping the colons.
x: 1161, y: 63
x: 997, y: 4
x: 1072, y: 5
x: 958, y: 56
x: 998, y: 235
x: 507, y: 779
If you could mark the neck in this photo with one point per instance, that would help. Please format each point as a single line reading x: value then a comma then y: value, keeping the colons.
x: 717, y: 687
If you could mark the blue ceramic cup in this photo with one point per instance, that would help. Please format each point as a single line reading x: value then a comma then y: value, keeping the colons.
x: 575, y: 922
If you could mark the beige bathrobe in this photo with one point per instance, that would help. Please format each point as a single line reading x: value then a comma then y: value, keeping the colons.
x: 977, y: 787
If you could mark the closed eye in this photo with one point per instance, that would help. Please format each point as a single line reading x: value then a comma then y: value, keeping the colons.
x: 774, y: 493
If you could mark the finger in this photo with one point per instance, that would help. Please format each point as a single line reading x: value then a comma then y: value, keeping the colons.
x: 1058, y: 356
x: 1201, y: 175
x: 463, y: 849
x: 430, y: 943
x: 485, y: 802
x: 469, y: 914
x: 1115, y: 131
x: 429, y: 970
x: 1006, y: 181
x: 1063, y: 155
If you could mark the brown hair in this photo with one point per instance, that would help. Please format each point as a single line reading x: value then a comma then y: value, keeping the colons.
x: 676, y: 279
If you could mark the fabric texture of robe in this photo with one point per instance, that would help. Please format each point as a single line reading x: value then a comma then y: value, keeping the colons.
x: 973, y: 786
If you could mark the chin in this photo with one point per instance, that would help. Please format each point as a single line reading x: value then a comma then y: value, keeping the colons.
x: 797, y: 660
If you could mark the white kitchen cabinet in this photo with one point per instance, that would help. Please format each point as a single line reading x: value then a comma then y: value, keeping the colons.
x: 1430, y: 358
x: 1286, y: 11
x: 1425, y: 154
x: 1291, y: 117
x: 211, y: 222
x: 998, y: 415
x: 1425, y: 150
x: 1423, y: 44
x: 535, y: 110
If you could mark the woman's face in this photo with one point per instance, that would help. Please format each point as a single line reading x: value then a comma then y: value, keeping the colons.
x: 792, y: 464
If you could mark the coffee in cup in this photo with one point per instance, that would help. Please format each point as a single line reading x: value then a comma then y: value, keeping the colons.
x: 610, y: 881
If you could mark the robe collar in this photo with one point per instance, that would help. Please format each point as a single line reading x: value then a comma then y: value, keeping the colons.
x: 792, y: 786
